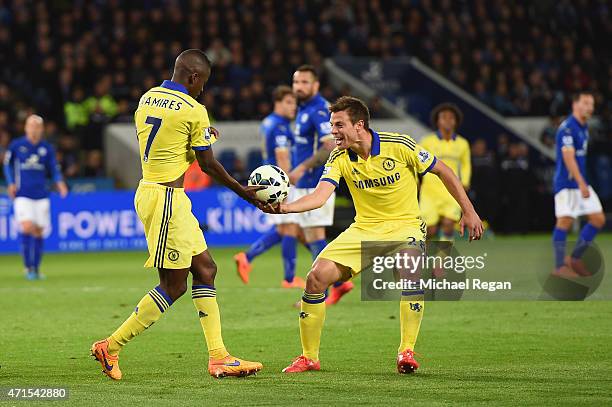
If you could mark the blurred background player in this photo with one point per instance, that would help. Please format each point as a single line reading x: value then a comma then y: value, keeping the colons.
x: 438, y: 208
x: 277, y: 140
x: 173, y: 131
x: 574, y: 197
x: 386, y: 211
x: 28, y: 163
x: 312, y: 145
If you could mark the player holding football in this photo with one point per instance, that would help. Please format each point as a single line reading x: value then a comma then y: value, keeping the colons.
x: 277, y: 140
x: 173, y: 130
x: 438, y: 208
x: 313, y: 143
x: 574, y: 197
x: 381, y: 171
x: 27, y: 162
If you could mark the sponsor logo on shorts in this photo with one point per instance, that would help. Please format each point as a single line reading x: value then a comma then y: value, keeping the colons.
x: 173, y: 255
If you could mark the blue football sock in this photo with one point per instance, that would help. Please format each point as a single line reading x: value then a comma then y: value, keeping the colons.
x: 317, y: 247
x: 26, y: 250
x: 263, y: 243
x: 559, y: 241
x: 38, y: 251
x: 288, y: 248
x: 587, y: 234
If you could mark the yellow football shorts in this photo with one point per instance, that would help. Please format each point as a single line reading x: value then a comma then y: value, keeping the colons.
x: 346, y: 248
x: 173, y: 233
x: 435, y: 204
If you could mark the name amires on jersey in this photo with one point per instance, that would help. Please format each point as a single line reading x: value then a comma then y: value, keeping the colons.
x: 377, y: 182
x: 161, y: 102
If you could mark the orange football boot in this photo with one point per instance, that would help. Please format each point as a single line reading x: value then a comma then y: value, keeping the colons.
x: 110, y: 364
x: 297, y: 282
x: 243, y: 266
x: 335, y: 293
x: 302, y: 364
x: 231, y: 366
x: 406, y: 363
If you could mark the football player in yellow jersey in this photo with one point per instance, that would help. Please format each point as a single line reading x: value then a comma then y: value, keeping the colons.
x: 381, y: 171
x: 173, y: 130
x: 438, y: 206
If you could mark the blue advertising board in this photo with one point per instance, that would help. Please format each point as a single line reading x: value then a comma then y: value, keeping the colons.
x: 99, y: 221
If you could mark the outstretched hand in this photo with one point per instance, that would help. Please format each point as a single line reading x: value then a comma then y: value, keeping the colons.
x: 275, y: 209
x: 250, y: 193
x: 473, y: 224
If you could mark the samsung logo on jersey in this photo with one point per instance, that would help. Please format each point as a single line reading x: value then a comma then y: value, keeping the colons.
x: 163, y: 103
x: 377, y: 182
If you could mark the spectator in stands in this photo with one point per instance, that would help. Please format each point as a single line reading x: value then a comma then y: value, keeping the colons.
x: 484, y: 185
x: 503, y: 145
x: 124, y: 112
x: 102, y: 108
x: 504, y: 52
x: 547, y: 136
x: 68, y: 156
x: 517, y: 181
x: 94, y: 165
x: 75, y: 111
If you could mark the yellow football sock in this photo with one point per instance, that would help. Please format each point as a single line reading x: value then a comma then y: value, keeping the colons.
x: 312, y: 317
x: 411, y: 314
x: 148, y: 310
x: 205, y: 301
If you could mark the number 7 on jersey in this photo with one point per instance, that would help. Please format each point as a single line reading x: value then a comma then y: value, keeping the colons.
x: 156, y: 122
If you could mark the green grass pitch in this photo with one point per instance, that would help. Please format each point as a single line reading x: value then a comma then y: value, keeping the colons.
x: 477, y: 353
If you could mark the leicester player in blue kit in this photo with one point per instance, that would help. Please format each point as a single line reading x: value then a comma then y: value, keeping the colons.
x: 277, y: 141
x: 313, y: 143
x: 574, y: 197
x: 27, y: 164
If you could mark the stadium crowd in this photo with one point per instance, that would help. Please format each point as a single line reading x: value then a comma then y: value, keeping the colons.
x: 84, y: 64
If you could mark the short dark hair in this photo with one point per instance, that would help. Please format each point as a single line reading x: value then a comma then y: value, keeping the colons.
x: 193, y: 58
x: 356, y: 109
x: 442, y: 107
x: 308, y: 68
x: 280, y: 92
x: 576, y: 95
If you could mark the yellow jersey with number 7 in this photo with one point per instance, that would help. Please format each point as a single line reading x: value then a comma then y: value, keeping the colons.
x: 170, y: 125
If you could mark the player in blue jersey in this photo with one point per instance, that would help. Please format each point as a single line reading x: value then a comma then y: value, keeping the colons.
x: 312, y: 144
x: 574, y: 197
x: 277, y: 140
x: 28, y: 163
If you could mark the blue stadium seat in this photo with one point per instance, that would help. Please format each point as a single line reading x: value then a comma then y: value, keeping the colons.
x: 227, y: 158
